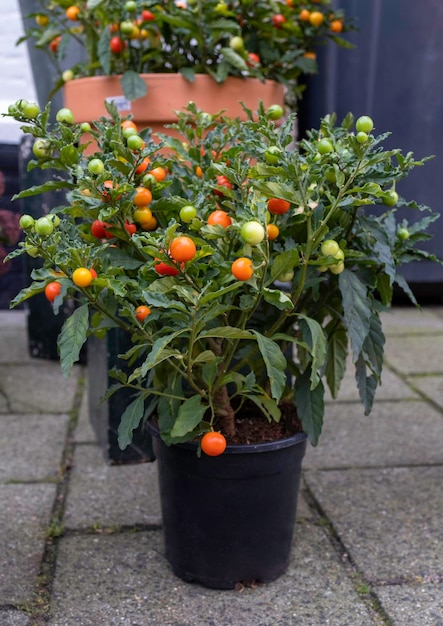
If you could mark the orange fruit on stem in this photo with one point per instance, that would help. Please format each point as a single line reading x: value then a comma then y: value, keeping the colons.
x: 182, y: 249
x: 213, y: 444
x: 242, y: 268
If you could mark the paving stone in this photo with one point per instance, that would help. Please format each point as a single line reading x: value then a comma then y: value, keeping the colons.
x: 84, y: 432
x: 391, y: 388
x: 410, y: 320
x: 413, y: 604
x: 36, y: 387
x: 14, y: 336
x: 25, y: 512
x: 388, y: 519
x: 33, y: 448
x: 123, y: 579
x: 430, y: 386
x: 110, y: 495
x: 395, y: 433
x: 13, y: 618
x: 415, y: 354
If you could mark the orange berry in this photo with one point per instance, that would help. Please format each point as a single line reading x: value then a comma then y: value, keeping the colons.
x: 72, y: 13
x: 82, y: 277
x: 219, y: 217
x: 182, y: 249
x: 143, y: 196
x: 159, y: 173
x: 242, y: 268
x: 316, y: 18
x: 273, y: 231
x: 142, y: 312
x: 304, y: 15
x: 336, y: 26
x: 213, y: 444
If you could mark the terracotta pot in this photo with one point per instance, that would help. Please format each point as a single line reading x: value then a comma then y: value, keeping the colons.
x: 168, y: 93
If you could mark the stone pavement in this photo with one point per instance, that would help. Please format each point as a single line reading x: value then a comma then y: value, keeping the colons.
x: 81, y: 541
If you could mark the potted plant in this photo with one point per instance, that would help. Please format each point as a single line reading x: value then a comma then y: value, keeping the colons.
x: 136, y: 46
x: 244, y: 269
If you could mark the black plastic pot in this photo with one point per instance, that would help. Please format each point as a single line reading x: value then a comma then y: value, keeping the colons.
x: 103, y: 355
x: 229, y: 519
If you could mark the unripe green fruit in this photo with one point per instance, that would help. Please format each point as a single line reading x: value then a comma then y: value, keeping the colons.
x: 364, y: 124
x: 26, y: 222
x: 324, y: 146
x: 44, y: 226
x: 65, y: 116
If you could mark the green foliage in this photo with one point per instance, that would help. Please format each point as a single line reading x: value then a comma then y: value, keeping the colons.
x: 186, y: 37
x: 213, y: 341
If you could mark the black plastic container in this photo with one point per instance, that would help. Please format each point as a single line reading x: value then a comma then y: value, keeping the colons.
x: 229, y: 519
x: 105, y: 415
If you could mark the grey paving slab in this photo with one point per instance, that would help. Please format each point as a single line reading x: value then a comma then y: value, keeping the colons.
x: 410, y: 320
x: 13, y: 335
x: 33, y: 448
x: 123, y: 579
x: 84, y: 432
x: 415, y: 354
x: 430, y: 386
x: 25, y: 512
x: 408, y: 605
x: 392, y: 387
x: 36, y: 387
x: 110, y: 495
x: 389, y: 520
x: 13, y: 618
x: 395, y: 433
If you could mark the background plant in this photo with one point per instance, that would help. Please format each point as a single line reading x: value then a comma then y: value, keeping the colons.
x: 266, y: 40
x: 260, y: 304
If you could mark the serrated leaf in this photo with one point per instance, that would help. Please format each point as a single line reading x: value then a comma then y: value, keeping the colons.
x: 367, y: 385
x: 310, y: 406
x: 374, y: 344
x: 355, y: 308
x: 275, y: 363
x: 129, y: 421
x: 72, y: 337
x: 314, y: 336
x: 104, y: 50
x: 337, y: 351
x: 190, y: 414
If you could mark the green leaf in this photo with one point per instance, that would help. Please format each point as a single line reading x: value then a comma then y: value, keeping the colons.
x: 367, y: 385
x: 72, y: 337
x: 226, y: 332
x: 69, y: 156
x: 190, y: 414
x: 277, y: 298
x: 267, y: 406
x: 104, y: 50
x: 275, y: 363
x: 129, y: 421
x: 374, y: 344
x: 234, y: 59
x: 336, y: 355
x: 310, y: 406
x: 159, y: 352
x: 188, y: 73
x: 284, y: 262
x: 133, y: 85
x: 314, y: 336
x: 356, y: 309
x: 52, y: 185
x: 93, y: 4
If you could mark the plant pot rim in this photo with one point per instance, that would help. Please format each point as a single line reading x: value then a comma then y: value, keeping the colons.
x: 174, y: 76
x: 249, y: 448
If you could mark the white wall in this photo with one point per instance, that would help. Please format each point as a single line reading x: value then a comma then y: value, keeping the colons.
x: 15, y: 72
